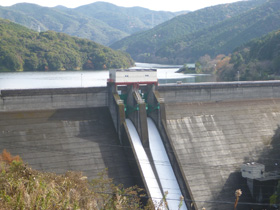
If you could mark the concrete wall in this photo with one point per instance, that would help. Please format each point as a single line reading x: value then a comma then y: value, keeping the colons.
x: 36, y: 99
x: 116, y: 108
x: 202, y: 92
x: 216, y: 128
x: 63, y: 129
x: 81, y: 139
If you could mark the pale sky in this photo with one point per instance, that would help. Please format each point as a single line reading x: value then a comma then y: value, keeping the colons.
x: 165, y: 5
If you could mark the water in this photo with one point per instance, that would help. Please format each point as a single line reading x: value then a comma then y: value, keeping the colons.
x: 65, y: 79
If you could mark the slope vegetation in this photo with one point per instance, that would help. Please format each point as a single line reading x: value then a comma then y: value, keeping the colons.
x: 25, y: 188
x: 212, y: 31
x: 128, y: 20
x: 43, y: 18
x: 22, y: 49
x: 259, y: 59
x: 101, y: 22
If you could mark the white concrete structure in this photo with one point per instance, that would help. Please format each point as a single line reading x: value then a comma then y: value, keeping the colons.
x: 252, y: 170
x: 130, y: 76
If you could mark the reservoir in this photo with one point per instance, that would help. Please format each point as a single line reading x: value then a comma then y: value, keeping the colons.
x: 68, y: 79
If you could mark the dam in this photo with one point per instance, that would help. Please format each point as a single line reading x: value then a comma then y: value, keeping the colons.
x: 208, y: 129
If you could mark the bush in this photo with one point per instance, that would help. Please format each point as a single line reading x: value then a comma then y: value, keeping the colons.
x: 24, y: 188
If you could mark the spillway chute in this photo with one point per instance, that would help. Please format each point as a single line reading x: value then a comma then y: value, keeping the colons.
x: 164, y: 169
x: 145, y: 166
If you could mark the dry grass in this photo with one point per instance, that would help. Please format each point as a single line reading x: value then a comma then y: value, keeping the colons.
x: 24, y: 188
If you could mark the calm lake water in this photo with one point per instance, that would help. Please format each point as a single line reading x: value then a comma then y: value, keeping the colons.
x: 65, y: 79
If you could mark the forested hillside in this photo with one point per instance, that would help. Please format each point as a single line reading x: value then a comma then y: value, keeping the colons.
x: 43, y: 18
x: 129, y: 20
x: 101, y: 22
x: 22, y: 49
x: 257, y: 60
x: 213, y: 30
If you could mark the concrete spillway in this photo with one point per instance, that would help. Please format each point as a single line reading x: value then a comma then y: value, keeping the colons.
x: 167, y: 178
x: 145, y: 165
x: 164, y: 169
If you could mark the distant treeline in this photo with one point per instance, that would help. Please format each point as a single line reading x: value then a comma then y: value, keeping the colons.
x: 101, y: 22
x: 209, y: 31
x: 258, y: 59
x: 22, y: 49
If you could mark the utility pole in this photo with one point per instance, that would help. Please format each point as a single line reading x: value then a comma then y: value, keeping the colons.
x: 238, y: 76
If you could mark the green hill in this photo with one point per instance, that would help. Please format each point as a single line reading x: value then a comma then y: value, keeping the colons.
x: 259, y: 59
x: 126, y: 19
x: 22, y: 49
x: 101, y: 22
x: 33, y: 16
x: 213, y: 30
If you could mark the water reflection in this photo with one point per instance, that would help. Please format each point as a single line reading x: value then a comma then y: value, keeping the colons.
x: 167, y: 74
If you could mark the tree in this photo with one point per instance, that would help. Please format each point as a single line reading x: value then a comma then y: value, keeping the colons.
x: 31, y: 62
x: 12, y: 61
x: 54, y: 62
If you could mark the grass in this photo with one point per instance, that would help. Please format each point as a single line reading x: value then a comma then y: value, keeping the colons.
x: 23, y: 188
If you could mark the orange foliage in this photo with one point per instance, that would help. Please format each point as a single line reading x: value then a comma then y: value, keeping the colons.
x: 8, y: 158
x: 220, y: 57
x: 223, y: 62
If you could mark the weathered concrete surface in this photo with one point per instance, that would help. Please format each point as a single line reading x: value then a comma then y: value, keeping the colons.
x: 212, y: 140
x: 81, y: 139
x: 222, y: 91
x: 61, y: 98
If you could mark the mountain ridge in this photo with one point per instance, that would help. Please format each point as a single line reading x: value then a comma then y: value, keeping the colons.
x: 183, y: 38
x: 75, y: 22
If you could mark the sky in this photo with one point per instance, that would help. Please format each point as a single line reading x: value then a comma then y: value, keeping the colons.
x: 164, y: 5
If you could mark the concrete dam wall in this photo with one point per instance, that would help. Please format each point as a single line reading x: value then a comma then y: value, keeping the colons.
x: 58, y: 130
x: 213, y: 129
x: 63, y: 98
